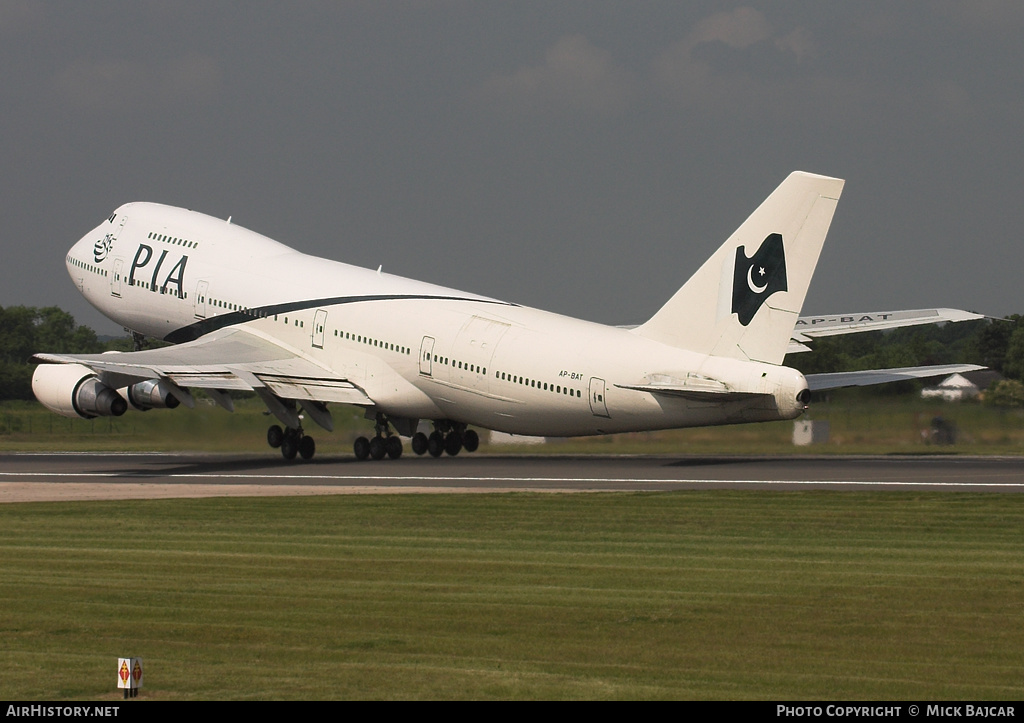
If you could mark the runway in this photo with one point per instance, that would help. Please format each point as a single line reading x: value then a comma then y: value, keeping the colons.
x: 28, y: 477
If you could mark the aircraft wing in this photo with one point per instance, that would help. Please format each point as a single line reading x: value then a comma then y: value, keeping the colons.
x: 228, y: 359
x: 837, y: 380
x: 809, y: 328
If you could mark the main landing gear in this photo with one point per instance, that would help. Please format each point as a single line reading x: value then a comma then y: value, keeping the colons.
x: 291, y: 441
x: 447, y: 437
x: 384, y: 444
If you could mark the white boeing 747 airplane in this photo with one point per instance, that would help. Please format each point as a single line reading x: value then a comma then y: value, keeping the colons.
x: 245, y: 312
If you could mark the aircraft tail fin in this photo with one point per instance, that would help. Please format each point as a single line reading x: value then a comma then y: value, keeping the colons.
x: 745, y: 300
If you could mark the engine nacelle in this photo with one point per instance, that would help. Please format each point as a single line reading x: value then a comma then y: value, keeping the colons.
x: 151, y: 394
x: 73, y: 390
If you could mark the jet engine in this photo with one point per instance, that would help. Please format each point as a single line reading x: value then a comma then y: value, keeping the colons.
x: 151, y: 394
x: 73, y: 390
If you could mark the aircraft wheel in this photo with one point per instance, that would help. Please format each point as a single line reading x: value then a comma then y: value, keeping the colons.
x: 470, y: 440
x: 377, y: 448
x: 274, y: 436
x: 393, y: 445
x: 419, y: 443
x: 289, y: 447
x: 307, y: 447
x: 453, y: 443
x: 435, y: 444
x: 362, y: 448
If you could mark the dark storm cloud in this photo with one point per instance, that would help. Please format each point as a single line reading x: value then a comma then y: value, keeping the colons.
x: 583, y: 157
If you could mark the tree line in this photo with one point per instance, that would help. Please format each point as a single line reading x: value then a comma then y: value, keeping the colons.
x: 997, y: 344
x: 25, y: 330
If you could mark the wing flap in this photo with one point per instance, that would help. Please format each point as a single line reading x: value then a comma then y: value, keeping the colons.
x: 209, y: 380
x: 316, y: 389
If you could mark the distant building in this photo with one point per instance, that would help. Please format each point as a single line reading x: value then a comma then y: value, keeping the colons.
x: 806, y: 431
x: 958, y: 387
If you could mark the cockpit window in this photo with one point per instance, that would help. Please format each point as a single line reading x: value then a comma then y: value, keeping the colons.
x: 112, y: 217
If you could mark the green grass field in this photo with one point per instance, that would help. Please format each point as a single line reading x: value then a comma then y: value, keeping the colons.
x: 689, y: 595
x: 717, y: 594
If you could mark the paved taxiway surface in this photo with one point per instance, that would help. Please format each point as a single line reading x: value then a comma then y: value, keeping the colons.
x: 73, y: 476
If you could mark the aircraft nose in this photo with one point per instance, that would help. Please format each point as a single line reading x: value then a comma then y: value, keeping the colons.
x: 93, y: 247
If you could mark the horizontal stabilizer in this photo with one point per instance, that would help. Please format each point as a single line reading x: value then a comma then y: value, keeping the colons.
x: 868, y: 377
x: 812, y: 327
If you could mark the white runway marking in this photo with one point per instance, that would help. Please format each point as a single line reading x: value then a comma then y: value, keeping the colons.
x: 421, y: 479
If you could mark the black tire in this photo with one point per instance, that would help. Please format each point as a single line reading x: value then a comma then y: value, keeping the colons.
x: 435, y: 444
x: 307, y: 448
x: 362, y: 448
x: 378, y: 448
x: 419, y: 443
x: 470, y: 441
x: 289, y: 447
x: 393, y: 445
x: 275, y: 435
x: 453, y: 443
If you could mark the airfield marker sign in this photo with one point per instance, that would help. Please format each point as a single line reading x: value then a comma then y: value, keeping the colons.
x: 129, y: 676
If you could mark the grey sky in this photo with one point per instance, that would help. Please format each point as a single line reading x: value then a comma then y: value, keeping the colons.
x: 581, y: 157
